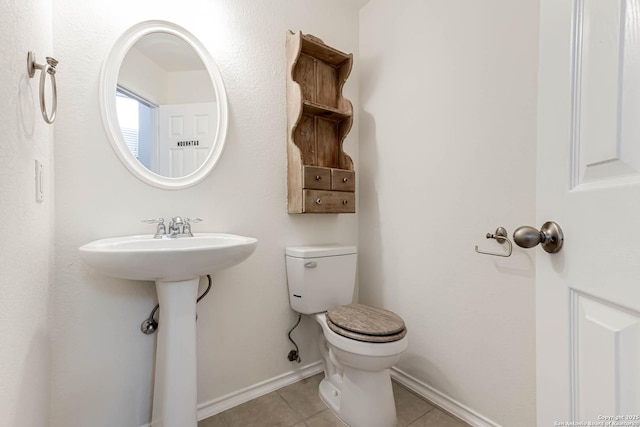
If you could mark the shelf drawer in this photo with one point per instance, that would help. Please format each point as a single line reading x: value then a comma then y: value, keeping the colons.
x: 329, y: 201
x: 343, y: 180
x: 316, y: 178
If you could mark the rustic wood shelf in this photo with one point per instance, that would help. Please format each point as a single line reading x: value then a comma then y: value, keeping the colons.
x: 324, y: 111
x: 321, y: 178
x: 316, y: 48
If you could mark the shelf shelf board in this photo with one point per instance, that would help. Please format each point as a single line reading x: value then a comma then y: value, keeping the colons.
x: 325, y: 53
x: 324, y: 111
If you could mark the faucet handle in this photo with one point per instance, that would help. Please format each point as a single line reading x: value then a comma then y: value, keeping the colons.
x: 161, y: 228
x: 153, y: 221
x: 187, y: 225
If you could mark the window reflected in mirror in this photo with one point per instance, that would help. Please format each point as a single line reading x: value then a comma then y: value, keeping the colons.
x: 138, y: 120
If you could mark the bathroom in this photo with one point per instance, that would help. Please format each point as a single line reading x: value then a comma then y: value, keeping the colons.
x: 445, y: 97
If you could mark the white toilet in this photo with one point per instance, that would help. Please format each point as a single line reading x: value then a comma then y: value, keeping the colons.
x: 359, y: 343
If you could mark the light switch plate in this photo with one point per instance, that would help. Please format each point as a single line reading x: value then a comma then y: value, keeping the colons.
x: 39, y: 181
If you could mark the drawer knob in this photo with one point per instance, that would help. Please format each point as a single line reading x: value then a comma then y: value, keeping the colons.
x: 345, y: 179
x: 318, y: 201
x: 318, y: 177
x: 345, y: 202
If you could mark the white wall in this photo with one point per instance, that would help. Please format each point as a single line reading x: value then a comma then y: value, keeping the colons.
x: 102, y: 365
x: 448, y: 128
x: 190, y: 87
x: 447, y: 154
x: 150, y: 84
x: 26, y: 225
x: 161, y: 87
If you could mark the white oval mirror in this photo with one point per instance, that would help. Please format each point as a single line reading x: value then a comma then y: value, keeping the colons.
x: 163, y: 105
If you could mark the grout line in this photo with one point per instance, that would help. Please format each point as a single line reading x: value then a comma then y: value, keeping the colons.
x: 294, y: 409
x: 301, y: 420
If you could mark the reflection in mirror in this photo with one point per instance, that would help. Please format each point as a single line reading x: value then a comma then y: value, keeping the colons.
x: 163, y: 105
x: 166, y: 105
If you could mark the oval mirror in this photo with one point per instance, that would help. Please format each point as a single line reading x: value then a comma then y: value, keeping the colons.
x: 163, y: 105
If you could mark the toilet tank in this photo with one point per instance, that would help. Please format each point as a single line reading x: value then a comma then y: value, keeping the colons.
x: 320, y: 277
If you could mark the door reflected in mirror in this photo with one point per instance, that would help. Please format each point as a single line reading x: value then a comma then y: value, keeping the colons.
x: 166, y: 105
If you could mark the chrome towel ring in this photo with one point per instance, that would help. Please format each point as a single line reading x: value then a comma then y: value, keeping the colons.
x: 50, y: 69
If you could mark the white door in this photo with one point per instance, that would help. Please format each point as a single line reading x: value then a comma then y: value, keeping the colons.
x: 187, y: 132
x: 588, y: 180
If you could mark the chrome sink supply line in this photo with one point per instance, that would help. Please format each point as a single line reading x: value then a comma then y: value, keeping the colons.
x: 150, y: 324
x: 45, y: 69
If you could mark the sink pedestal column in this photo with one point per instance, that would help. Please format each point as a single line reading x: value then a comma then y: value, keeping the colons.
x: 175, y: 388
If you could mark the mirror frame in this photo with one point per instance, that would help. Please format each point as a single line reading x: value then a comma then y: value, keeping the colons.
x: 108, y: 85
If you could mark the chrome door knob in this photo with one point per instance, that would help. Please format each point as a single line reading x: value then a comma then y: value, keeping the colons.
x: 550, y: 237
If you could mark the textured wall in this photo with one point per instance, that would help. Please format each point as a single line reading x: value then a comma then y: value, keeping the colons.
x: 448, y: 131
x: 102, y: 365
x: 447, y: 148
x: 26, y: 225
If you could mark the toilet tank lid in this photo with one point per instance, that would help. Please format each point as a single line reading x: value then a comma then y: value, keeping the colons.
x: 316, y: 251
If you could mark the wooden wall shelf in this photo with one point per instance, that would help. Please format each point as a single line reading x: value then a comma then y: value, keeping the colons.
x: 321, y: 178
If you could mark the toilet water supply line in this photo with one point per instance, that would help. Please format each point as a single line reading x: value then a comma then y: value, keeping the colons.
x: 150, y: 324
x: 294, y: 354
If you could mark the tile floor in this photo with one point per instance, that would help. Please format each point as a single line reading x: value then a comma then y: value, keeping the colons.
x: 298, y: 405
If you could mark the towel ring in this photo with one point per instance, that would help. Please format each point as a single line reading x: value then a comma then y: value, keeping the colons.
x: 45, y: 69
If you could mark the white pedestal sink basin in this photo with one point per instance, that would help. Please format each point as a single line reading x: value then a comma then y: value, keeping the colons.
x: 176, y: 266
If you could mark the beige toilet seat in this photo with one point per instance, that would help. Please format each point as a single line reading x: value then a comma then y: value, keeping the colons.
x: 364, y: 323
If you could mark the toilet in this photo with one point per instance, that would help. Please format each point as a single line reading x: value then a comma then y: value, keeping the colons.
x: 358, y: 343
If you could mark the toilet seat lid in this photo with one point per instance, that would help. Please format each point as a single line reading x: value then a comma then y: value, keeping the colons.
x: 364, y: 323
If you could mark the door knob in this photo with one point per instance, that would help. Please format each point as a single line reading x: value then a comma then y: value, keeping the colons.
x: 550, y: 237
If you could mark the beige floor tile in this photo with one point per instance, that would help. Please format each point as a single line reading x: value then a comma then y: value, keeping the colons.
x: 303, y: 396
x: 215, y: 421
x: 324, y: 419
x: 298, y: 405
x: 269, y: 410
x: 409, y: 407
x: 437, y: 418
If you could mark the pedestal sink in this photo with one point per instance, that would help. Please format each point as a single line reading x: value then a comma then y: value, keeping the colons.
x: 176, y: 266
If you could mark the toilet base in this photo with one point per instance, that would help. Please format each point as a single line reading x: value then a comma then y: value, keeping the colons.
x: 330, y: 393
x: 360, y: 398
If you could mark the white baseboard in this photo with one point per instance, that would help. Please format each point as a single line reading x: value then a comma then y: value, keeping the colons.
x: 442, y: 400
x: 220, y: 404
x: 236, y: 398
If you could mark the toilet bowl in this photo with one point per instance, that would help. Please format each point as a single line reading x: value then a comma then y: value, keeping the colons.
x: 358, y: 344
x: 357, y: 384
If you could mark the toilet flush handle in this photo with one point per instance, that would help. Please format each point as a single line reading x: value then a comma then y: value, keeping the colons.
x: 311, y: 264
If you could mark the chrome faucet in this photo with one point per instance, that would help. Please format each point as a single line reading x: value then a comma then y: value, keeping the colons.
x: 178, y: 227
